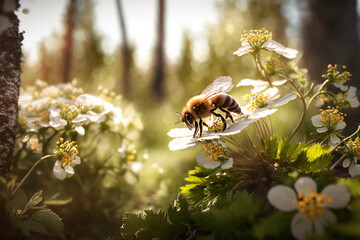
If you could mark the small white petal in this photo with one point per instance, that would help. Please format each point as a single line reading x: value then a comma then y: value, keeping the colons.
x: 334, y: 139
x: 329, y: 216
x: 261, y: 113
x: 319, y: 225
x: 183, y: 143
x: 201, y: 159
x: 180, y: 132
x: 322, y: 129
x: 340, y: 125
x: 300, y: 227
x: 227, y: 164
x: 58, y: 171
x: 76, y: 162
x: 272, y: 45
x: 316, y: 121
x: 69, y: 169
x: 80, y: 130
x: 236, y: 127
x: 342, y: 87
x: 252, y: 82
x: 282, y: 198
x: 339, y: 194
x: 304, y: 183
x: 271, y: 91
x: 354, y: 170
x: 246, y: 48
x: 346, y: 163
x: 284, y: 100
x: 137, y: 166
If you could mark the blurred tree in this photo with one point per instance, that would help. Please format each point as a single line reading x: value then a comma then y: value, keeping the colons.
x: 70, y: 24
x: 330, y: 34
x: 159, y: 61
x: 10, y: 70
x: 126, y: 57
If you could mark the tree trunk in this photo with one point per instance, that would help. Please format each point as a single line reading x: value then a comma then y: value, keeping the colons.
x: 159, y: 67
x: 10, y: 69
x: 126, y: 58
x: 71, y: 17
x: 331, y: 36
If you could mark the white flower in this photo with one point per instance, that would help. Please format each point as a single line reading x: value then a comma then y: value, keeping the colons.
x: 213, y: 156
x: 329, y: 121
x: 354, y: 168
x: 341, y: 86
x: 33, y: 143
x: 61, y: 171
x: 121, y: 152
x: 186, y: 141
x: 352, y: 97
x: 271, y: 46
x: 259, y: 85
x: 312, y: 214
x: 56, y: 121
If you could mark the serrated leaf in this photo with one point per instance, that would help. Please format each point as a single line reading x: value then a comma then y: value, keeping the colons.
x: 34, y: 200
x: 49, y: 218
x: 277, y: 225
x: 31, y: 226
x: 132, y: 223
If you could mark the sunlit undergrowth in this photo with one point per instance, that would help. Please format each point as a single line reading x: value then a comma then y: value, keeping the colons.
x: 264, y: 177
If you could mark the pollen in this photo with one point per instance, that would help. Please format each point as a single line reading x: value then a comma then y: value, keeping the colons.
x: 66, y: 152
x: 331, y: 116
x: 213, y: 150
x: 354, y: 146
x: 335, y: 76
x: 216, y: 126
x: 257, y: 100
x: 256, y: 38
x: 311, y: 204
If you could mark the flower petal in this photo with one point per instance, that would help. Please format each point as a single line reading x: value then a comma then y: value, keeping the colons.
x: 342, y: 87
x: 300, y: 227
x: 284, y: 100
x: 282, y: 198
x: 201, y: 159
x: 346, y: 163
x: 339, y: 194
x: 58, y: 171
x: 334, y: 139
x: 322, y: 130
x: 236, y: 127
x: 354, y: 170
x: 69, y: 169
x: 80, y: 130
x: 76, y: 162
x: 180, y: 132
x: 305, y: 183
x: 272, y: 45
x: 183, y: 143
x: 316, y: 121
x: 340, y: 125
x: 246, y: 48
x: 227, y: 164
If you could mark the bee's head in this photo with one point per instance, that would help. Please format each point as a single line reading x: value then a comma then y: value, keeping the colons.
x: 188, y: 119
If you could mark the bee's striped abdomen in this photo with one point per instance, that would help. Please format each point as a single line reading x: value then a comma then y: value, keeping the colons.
x: 227, y: 102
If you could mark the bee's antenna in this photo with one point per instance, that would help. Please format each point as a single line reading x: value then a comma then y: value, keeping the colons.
x: 177, y: 122
x: 179, y: 114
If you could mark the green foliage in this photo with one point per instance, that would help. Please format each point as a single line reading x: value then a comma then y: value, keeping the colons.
x: 229, y: 217
x: 163, y: 224
x: 276, y: 225
x: 31, y: 217
x: 205, y: 184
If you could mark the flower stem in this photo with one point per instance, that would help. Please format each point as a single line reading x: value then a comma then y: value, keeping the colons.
x: 27, y: 174
x: 262, y: 69
x: 319, y: 92
x: 342, y: 141
x: 338, y: 162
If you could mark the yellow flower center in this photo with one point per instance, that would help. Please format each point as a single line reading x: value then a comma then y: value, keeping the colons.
x: 334, y: 75
x: 331, y: 116
x: 213, y: 150
x: 66, y: 152
x: 216, y: 126
x: 311, y: 203
x: 257, y: 100
x: 256, y: 38
x: 355, y: 146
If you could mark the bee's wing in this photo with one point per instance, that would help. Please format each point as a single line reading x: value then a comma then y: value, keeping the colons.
x: 222, y: 84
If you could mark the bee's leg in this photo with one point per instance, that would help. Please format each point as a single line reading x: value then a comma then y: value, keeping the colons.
x: 201, y: 126
x: 204, y: 123
x: 196, y: 129
x: 228, y: 114
x: 222, y: 118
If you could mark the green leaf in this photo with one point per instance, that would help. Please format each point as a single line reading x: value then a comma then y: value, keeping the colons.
x: 20, y: 200
x: 132, y: 223
x: 353, y: 184
x: 34, y: 200
x: 313, y: 158
x: 56, y: 200
x: 49, y: 218
x: 31, y: 226
x: 276, y: 225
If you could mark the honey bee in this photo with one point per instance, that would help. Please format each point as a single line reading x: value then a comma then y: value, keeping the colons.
x: 213, y: 97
